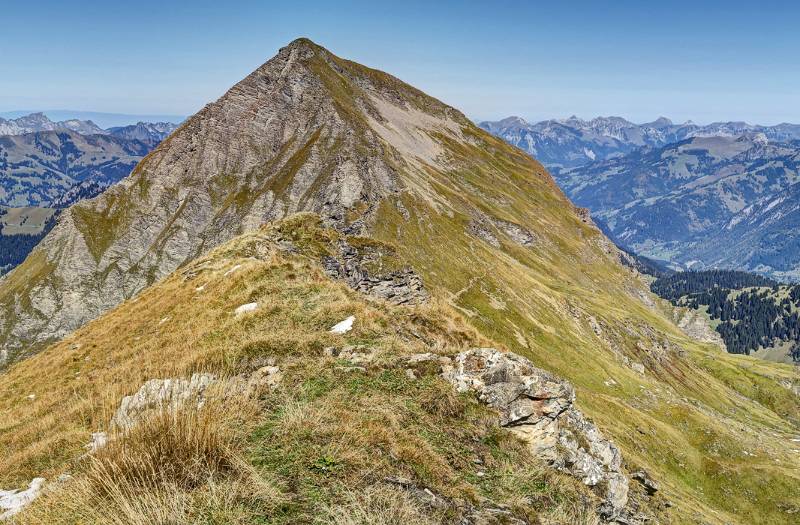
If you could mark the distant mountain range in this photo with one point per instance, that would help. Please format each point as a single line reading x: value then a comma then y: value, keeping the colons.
x: 722, y: 195
x: 39, y: 122
x: 36, y: 122
x: 36, y: 169
x: 41, y: 160
x: 573, y: 142
x: 701, y: 202
x: 102, y: 119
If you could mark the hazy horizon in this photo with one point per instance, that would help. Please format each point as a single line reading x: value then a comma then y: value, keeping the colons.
x: 111, y: 119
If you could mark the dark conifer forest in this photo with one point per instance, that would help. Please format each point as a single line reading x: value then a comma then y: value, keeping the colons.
x: 14, y: 248
x: 753, y: 311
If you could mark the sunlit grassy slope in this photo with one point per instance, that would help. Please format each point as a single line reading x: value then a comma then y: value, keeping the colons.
x: 320, y: 447
x: 332, y: 432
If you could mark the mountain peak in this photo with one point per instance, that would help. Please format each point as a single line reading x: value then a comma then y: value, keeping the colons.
x: 514, y: 121
x: 306, y: 131
x: 659, y: 123
x: 305, y: 43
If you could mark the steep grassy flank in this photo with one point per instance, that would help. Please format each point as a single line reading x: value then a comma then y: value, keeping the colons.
x: 714, y: 430
x: 320, y: 448
x: 327, y: 439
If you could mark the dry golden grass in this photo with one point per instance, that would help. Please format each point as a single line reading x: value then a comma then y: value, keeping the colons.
x: 378, y: 505
x: 318, y: 448
x: 173, y: 467
x: 331, y: 433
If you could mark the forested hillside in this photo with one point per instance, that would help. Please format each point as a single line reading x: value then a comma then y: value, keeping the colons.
x: 749, y: 311
x: 14, y: 247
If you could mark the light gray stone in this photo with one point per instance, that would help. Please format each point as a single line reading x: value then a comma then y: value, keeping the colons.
x: 13, y: 501
x: 539, y: 408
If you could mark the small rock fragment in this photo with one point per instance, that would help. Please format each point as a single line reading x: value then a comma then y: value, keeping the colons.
x: 249, y: 307
x: 647, y: 482
x: 232, y: 270
x: 99, y: 440
x: 343, y: 326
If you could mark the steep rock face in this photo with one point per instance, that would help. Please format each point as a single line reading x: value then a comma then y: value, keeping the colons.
x: 306, y: 131
x: 696, y: 325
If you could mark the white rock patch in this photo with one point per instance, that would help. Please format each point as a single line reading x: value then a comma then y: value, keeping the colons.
x: 99, y: 440
x: 13, y: 501
x: 344, y: 326
x: 160, y: 394
x: 249, y: 307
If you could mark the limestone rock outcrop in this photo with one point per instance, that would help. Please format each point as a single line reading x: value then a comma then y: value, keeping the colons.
x: 160, y: 394
x: 171, y: 394
x: 539, y: 408
x: 13, y: 501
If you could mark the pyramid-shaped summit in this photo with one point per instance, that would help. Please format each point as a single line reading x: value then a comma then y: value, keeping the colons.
x: 306, y: 131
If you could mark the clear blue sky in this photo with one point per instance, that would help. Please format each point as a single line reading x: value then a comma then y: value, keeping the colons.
x: 698, y: 60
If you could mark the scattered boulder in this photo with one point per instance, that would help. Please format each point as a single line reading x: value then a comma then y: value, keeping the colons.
x: 344, y: 326
x: 160, y: 394
x: 482, y: 226
x: 422, y: 494
x: 517, y: 233
x: 264, y: 377
x: 99, y: 440
x: 488, y: 513
x: 358, y: 354
x: 538, y: 407
x: 481, y: 229
x: 170, y: 394
x: 13, y: 501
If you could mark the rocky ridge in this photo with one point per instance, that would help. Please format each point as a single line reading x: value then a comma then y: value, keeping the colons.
x: 331, y: 134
